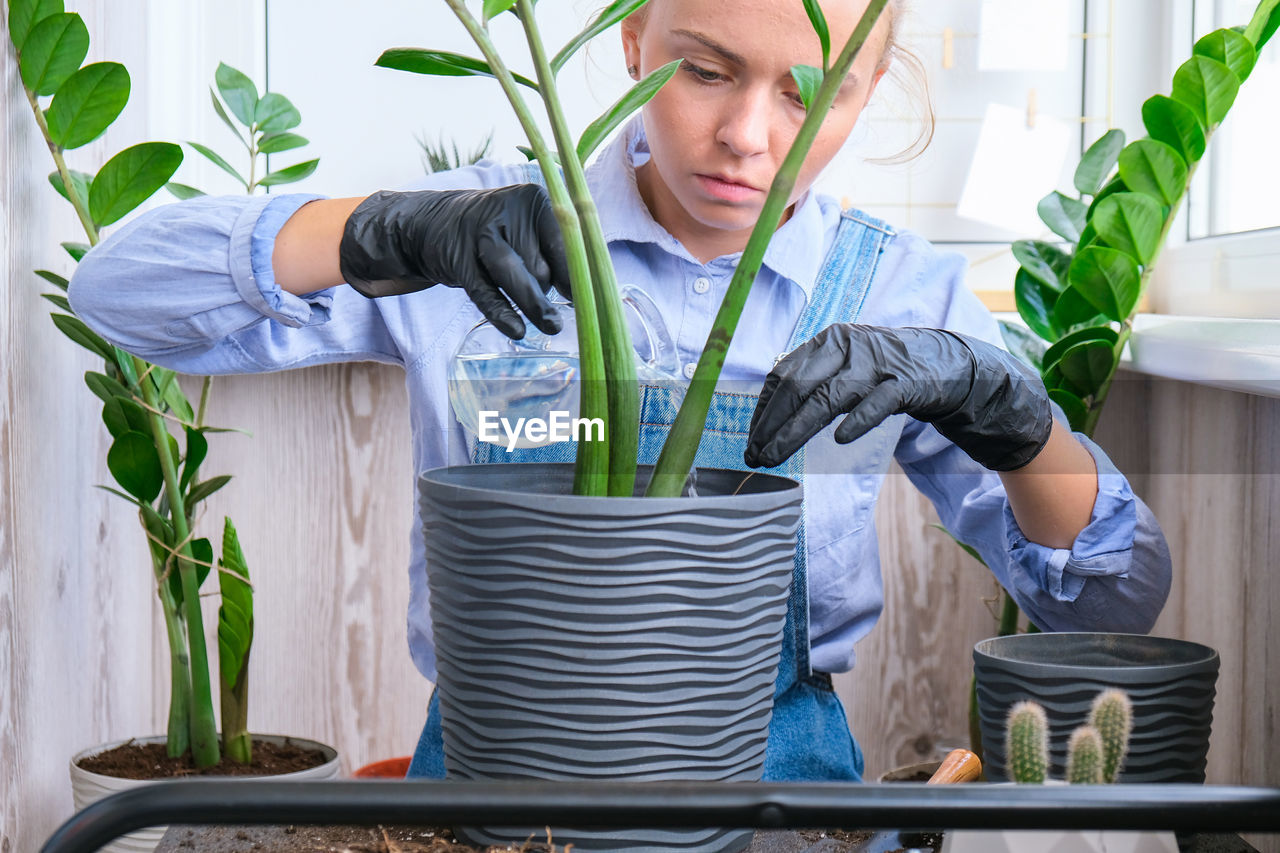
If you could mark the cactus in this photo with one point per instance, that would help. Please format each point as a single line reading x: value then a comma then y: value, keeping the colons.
x: 1095, y: 753
x: 1084, y: 757
x: 1112, y: 716
x: 1027, y: 743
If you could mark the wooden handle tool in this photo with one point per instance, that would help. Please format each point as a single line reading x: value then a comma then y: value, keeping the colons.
x: 960, y: 765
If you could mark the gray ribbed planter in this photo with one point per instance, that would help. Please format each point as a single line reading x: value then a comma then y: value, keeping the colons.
x: 606, y: 638
x: 1170, y: 682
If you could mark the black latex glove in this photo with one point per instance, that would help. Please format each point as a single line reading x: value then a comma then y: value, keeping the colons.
x: 500, y: 246
x: 984, y: 400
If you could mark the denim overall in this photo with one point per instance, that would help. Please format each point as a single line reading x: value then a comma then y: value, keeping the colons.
x: 809, y: 738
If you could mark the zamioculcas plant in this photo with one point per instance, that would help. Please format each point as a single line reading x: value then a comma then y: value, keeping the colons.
x: 609, y: 389
x: 159, y: 440
x: 1095, y: 752
x: 1079, y: 297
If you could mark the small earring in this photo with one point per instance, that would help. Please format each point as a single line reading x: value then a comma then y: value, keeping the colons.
x: 633, y: 71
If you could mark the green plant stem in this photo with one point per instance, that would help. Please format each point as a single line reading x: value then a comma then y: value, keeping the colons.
x: 1100, y: 397
x: 205, y: 385
x: 178, y: 733
x: 681, y: 446
x: 1008, y: 617
x: 619, y: 354
x: 204, y: 731
x: 235, y: 716
x: 591, y: 475
x: 198, y: 697
x: 90, y: 229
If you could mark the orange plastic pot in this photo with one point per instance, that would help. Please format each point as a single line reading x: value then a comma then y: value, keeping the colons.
x: 387, y: 768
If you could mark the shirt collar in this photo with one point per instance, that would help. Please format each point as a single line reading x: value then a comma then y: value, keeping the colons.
x: 795, y: 253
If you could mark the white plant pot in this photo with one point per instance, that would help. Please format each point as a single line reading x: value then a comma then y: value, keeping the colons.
x: 1057, y: 841
x: 87, y: 787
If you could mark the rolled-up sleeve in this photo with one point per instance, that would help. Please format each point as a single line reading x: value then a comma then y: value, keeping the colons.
x: 1116, y: 575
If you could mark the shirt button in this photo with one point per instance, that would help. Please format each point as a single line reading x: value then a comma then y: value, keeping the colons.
x: 689, y: 369
x: 701, y: 284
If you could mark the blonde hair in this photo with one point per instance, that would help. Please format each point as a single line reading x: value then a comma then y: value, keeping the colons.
x: 905, y: 70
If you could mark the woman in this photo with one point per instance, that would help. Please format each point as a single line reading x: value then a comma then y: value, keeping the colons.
x: 880, y: 327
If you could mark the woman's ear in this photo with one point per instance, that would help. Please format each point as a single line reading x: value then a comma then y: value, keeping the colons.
x: 631, y: 28
x: 881, y: 70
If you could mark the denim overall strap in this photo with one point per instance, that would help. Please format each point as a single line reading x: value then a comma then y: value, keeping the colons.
x: 809, y: 737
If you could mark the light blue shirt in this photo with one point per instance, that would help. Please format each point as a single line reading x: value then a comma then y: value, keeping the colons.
x: 190, y: 286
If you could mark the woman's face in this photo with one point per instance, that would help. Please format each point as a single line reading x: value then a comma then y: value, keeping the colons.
x: 718, y: 131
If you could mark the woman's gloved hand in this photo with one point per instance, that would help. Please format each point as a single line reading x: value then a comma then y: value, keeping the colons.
x: 500, y: 246
x: 984, y: 400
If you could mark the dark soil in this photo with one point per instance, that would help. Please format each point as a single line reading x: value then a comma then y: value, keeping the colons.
x: 150, y: 761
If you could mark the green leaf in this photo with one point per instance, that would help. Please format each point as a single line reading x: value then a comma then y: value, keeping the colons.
x: 205, y: 488
x: 52, y: 52
x: 531, y: 155
x: 177, y: 402
x: 1098, y: 161
x: 1109, y: 279
x: 123, y: 414
x: 54, y: 279
x: 1035, y: 303
x: 494, y: 8
x: 635, y: 97
x: 132, y: 460
x: 76, y: 250
x: 1054, y: 354
x: 1072, y: 406
x: 1023, y: 343
x: 1152, y: 167
x: 182, y: 191
x: 1087, y: 366
x: 130, y: 498
x: 1130, y: 222
x: 1072, y: 311
x: 1231, y: 49
x: 197, y: 450
x: 236, y: 612
x: 238, y: 91
x: 217, y: 160
x: 276, y: 114
x: 1175, y: 125
x: 440, y: 63
x: 25, y: 14
x: 1265, y: 22
x: 968, y: 549
x: 88, y: 103
x: 226, y: 119
x: 612, y: 14
x: 202, y: 553
x: 808, y: 81
x: 1115, y: 185
x: 80, y: 183
x: 1208, y: 88
x: 58, y: 299
x: 1064, y: 215
x: 819, y: 21
x: 106, y: 388
x: 1044, y: 261
x: 130, y: 178
x: 73, y: 327
x: 289, y: 175
x: 274, y: 143
x: 159, y: 539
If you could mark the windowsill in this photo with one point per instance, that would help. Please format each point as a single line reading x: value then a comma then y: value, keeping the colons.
x: 1237, y: 355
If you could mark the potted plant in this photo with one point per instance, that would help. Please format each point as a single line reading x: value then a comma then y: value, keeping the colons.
x: 1096, y: 752
x: 159, y: 439
x: 1171, y: 682
x: 1079, y: 297
x: 628, y: 651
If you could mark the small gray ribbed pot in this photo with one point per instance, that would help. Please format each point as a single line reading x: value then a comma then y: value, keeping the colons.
x: 607, y: 638
x: 1170, y: 683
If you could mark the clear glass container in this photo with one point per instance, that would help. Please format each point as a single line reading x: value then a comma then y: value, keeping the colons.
x: 537, y: 377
